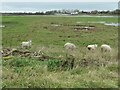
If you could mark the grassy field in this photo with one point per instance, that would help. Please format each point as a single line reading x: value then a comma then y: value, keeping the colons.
x: 42, y: 30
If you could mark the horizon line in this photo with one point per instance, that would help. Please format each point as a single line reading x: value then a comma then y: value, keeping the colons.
x: 48, y: 10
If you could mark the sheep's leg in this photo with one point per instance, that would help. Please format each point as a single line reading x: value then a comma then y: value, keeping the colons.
x: 67, y: 53
x: 101, y: 49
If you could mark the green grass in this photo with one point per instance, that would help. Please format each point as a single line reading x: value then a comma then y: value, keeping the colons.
x: 24, y: 28
x: 100, y: 70
x: 35, y: 74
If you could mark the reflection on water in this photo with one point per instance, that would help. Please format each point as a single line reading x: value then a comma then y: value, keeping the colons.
x: 112, y: 24
x: 103, y: 22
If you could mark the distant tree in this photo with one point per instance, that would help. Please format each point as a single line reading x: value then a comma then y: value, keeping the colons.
x: 84, y: 12
x: 69, y: 11
x: 117, y: 11
x: 94, y: 12
x: 59, y: 11
x: 76, y: 10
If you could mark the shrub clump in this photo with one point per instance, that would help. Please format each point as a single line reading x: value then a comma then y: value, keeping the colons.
x: 54, y: 65
x: 20, y: 62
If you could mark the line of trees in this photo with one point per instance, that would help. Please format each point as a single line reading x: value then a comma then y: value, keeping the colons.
x: 69, y: 12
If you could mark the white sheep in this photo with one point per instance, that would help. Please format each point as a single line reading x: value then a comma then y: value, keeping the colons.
x: 26, y: 44
x: 70, y: 47
x: 105, y: 48
x: 92, y: 47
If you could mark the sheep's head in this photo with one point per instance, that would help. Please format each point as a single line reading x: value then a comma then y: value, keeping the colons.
x: 89, y: 48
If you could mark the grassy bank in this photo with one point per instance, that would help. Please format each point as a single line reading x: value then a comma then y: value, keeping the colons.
x: 51, y: 33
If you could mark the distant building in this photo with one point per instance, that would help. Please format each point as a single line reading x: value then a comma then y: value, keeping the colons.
x: 74, y: 13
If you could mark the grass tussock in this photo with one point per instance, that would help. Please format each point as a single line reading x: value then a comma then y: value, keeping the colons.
x: 89, y: 70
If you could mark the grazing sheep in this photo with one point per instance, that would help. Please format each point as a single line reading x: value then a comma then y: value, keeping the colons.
x: 26, y: 44
x: 70, y: 47
x: 105, y: 48
x: 92, y: 47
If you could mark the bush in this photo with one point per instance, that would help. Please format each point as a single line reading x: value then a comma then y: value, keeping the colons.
x: 54, y: 65
x: 20, y: 62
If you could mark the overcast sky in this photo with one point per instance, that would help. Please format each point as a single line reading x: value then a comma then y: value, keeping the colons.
x: 42, y: 5
x: 60, y: 0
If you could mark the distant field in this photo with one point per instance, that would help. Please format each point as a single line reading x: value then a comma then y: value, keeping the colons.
x: 52, y: 33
